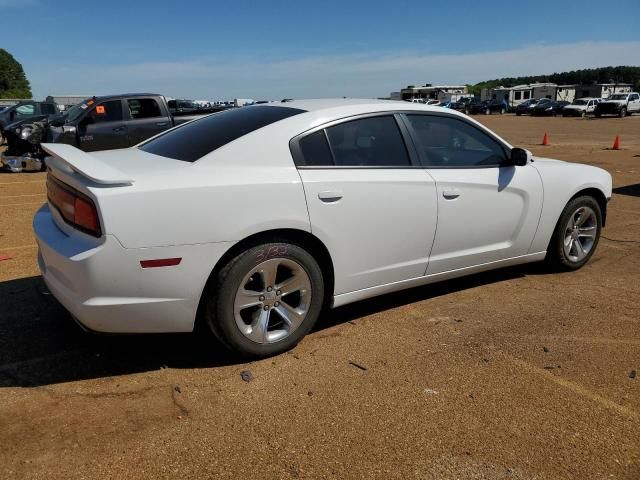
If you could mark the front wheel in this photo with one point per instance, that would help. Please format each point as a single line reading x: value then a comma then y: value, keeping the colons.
x: 265, y: 300
x: 622, y: 113
x: 487, y: 111
x: 576, y: 235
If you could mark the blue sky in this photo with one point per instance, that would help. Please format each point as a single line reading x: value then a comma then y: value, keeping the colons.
x: 275, y: 49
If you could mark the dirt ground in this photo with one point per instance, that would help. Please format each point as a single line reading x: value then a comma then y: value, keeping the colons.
x: 514, y: 374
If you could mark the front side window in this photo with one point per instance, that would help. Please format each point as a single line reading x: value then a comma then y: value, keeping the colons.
x: 106, y: 112
x: 143, y: 108
x: 446, y: 142
x: 368, y: 142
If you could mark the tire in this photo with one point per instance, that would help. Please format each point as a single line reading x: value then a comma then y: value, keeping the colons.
x: 570, y: 248
x: 623, y: 112
x: 1, y: 137
x: 598, y: 115
x: 518, y: 114
x: 239, y: 301
x: 502, y: 111
x: 487, y: 111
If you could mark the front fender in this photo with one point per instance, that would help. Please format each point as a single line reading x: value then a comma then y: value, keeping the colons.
x: 561, y: 182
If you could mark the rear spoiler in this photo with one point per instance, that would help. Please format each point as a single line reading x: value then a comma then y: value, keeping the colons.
x: 70, y: 159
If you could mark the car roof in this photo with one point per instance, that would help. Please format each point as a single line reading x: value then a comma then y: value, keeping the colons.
x: 322, y: 104
x: 125, y: 95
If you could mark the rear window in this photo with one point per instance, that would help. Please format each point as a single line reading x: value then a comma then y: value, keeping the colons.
x: 196, y: 139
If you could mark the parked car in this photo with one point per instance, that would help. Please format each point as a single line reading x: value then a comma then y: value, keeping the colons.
x: 551, y: 108
x: 526, y: 107
x: 27, y: 109
x: 97, y: 123
x: 178, y: 232
x: 462, y: 105
x: 620, y: 104
x: 580, y: 107
x: 487, y: 107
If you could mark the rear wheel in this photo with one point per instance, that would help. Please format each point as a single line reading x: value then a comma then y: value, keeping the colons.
x: 265, y: 300
x: 487, y: 111
x: 502, y: 111
x: 576, y: 235
x: 622, y: 113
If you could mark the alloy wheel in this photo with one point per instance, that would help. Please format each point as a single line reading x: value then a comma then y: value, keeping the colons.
x: 272, y: 300
x: 580, y: 234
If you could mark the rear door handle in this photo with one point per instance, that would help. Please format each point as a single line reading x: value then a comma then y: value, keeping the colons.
x: 119, y: 129
x: 330, y: 196
x: 451, y: 194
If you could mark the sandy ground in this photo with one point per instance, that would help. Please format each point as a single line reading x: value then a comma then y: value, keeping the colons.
x: 515, y: 374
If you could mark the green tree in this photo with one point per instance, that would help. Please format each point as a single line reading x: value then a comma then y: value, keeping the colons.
x: 13, y: 81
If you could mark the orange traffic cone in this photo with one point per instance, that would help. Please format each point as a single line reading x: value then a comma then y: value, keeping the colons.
x: 616, y: 143
x: 545, y: 139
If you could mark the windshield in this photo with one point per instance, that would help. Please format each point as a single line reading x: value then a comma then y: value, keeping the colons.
x: 579, y: 102
x: 618, y: 96
x: 77, y: 110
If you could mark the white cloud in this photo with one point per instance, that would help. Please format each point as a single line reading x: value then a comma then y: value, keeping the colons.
x: 371, y: 75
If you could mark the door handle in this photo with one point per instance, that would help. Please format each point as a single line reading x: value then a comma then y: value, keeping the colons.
x: 330, y: 196
x: 119, y: 129
x: 451, y: 194
x: 161, y: 124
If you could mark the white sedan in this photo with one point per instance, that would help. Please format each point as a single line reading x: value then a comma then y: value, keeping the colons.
x: 250, y: 221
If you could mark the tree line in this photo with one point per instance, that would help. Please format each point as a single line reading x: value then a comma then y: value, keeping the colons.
x: 587, y: 76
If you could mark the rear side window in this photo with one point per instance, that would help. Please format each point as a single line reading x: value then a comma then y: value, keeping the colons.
x: 143, y: 108
x: 368, y: 142
x: 196, y: 139
x: 106, y: 112
x: 315, y: 150
x: 49, y: 108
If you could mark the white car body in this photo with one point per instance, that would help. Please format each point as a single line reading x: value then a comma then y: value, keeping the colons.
x: 386, y: 229
x: 581, y: 107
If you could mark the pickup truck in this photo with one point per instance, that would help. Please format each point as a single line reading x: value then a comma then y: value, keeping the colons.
x: 620, y: 104
x: 25, y: 110
x: 97, y: 123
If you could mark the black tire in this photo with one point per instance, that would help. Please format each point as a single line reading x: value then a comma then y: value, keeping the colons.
x: 598, y: 115
x: 487, y: 111
x: 220, y: 293
x: 1, y: 137
x: 556, y: 256
x: 623, y: 112
x: 502, y: 111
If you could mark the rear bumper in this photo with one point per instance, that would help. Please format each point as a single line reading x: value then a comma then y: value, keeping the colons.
x: 104, y: 287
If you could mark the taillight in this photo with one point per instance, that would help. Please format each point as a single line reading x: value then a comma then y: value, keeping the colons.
x: 75, y: 208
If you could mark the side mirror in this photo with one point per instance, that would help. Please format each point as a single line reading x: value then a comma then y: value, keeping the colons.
x: 520, y: 157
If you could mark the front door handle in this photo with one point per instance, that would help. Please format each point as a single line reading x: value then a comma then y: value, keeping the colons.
x: 328, y: 196
x: 119, y: 129
x: 161, y: 124
x: 451, y: 194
